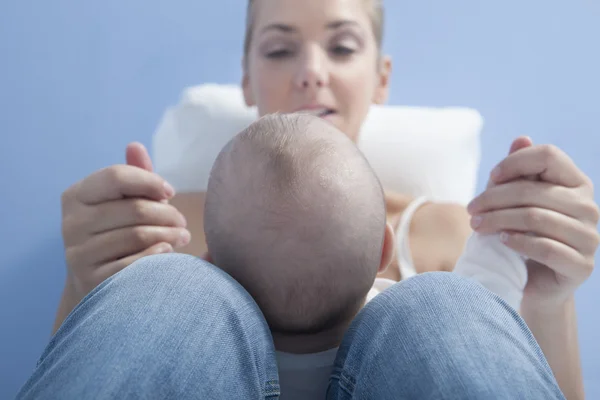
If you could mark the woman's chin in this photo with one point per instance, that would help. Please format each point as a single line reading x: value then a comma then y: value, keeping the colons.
x: 340, y: 123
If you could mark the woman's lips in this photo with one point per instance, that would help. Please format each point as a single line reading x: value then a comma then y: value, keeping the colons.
x: 318, y: 112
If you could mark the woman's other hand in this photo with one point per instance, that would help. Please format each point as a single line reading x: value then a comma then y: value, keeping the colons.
x: 116, y: 216
x: 552, y: 220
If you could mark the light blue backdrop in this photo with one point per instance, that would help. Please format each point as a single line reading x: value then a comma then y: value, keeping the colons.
x: 79, y: 80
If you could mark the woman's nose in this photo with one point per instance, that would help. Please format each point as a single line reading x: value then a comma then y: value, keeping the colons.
x: 312, y: 70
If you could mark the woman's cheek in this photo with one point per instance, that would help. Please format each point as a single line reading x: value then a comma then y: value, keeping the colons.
x: 273, y: 93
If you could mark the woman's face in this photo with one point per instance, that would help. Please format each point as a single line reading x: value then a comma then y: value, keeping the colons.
x: 319, y: 56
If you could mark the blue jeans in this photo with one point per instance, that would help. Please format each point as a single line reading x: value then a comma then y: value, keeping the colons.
x: 175, y: 327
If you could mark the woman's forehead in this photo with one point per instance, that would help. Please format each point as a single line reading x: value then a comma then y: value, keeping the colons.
x: 308, y: 14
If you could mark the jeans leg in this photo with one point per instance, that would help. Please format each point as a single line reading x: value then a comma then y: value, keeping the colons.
x: 166, y: 327
x: 440, y: 336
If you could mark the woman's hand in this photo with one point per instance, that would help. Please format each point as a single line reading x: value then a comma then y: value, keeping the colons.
x: 116, y: 216
x: 551, y: 220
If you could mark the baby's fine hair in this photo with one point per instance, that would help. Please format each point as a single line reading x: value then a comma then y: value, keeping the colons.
x: 295, y: 213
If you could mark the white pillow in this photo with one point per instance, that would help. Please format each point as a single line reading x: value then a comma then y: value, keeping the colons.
x: 418, y: 151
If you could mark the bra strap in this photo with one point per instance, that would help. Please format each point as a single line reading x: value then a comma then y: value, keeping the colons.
x: 405, y: 261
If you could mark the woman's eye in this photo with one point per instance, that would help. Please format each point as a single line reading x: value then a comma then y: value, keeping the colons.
x: 279, y: 54
x: 343, y: 51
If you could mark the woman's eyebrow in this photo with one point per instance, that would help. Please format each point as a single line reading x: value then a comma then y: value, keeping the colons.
x: 291, y: 29
x: 279, y: 27
x: 341, y: 23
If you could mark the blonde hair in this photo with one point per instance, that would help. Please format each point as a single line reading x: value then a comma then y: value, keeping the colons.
x: 376, y: 13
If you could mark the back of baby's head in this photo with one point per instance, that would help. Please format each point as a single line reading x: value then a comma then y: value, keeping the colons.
x: 294, y: 213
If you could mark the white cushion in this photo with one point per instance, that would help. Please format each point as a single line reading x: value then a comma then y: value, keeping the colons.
x: 418, y: 151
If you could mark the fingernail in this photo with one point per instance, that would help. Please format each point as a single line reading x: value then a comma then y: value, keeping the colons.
x: 504, y: 237
x: 184, y: 238
x: 164, y: 249
x: 496, y: 172
x: 476, y: 222
x: 169, y: 190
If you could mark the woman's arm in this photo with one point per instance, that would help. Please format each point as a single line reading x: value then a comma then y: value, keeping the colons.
x: 556, y: 332
x: 68, y: 302
x: 540, y: 190
x: 438, y: 234
x: 442, y: 230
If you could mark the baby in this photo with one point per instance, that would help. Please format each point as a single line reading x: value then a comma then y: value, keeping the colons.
x: 295, y: 213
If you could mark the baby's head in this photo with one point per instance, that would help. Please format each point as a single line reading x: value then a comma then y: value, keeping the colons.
x: 295, y: 213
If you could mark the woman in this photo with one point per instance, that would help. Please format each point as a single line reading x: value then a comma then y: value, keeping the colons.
x: 324, y: 56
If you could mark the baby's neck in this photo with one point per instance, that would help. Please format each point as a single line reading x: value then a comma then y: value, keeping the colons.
x: 311, y: 343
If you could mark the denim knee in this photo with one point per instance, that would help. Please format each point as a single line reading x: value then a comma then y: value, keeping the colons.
x: 439, y: 335
x: 439, y: 293
x: 168, y: 326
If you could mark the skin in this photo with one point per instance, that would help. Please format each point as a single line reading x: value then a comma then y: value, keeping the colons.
x: 555, y: 202
x: 325, y: 52
x: 319, y: 52
x: 122, y: 213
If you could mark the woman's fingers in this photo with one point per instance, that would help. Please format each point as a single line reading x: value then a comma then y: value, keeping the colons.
x: 136, y: 155
x: 552, y: 164
x: 530, y: 193
x: 117, y: 182
x: 541, y: 222
x: 129, y: 212
x: 116, y: 244
x: 562, y: 259
x: 543, y: 206
x: 86, y: 221
x: 520, y: 143
x: 118, y: 215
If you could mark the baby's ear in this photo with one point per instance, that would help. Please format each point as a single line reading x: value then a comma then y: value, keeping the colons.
x: 207, y: 257
x: 387, y: 251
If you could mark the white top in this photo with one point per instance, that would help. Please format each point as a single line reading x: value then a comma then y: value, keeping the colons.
x: 305, y: 376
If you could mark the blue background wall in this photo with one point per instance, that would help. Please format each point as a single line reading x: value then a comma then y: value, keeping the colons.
x: 79, y: 80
